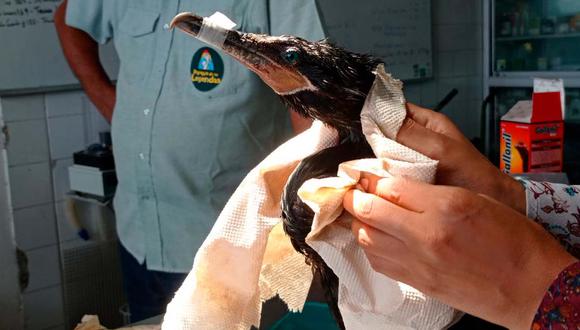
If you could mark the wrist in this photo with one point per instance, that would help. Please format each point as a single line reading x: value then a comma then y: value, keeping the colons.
x: 512, y: 193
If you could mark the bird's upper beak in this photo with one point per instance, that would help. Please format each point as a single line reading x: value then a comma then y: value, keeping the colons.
x: 259, y: 53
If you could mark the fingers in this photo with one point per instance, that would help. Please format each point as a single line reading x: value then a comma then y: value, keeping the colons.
x: 376, y: 242
x: 406, y: 193
x: 380, y: 213
x: 394, y: 269
x: 420, y: 115
x: 434, y: 121
x: 384, y: 252
x: 421, y: 139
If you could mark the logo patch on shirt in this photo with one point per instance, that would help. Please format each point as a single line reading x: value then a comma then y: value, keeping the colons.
x: 207, y: 69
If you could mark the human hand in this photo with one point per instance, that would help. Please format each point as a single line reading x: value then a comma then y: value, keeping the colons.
x: 460, y: 163
x: 467, y: 250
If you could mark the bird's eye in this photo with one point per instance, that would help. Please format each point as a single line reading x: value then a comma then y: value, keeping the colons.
x: 291, y: 56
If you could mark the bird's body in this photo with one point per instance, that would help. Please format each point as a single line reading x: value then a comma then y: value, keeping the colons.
x: 320, y: 81
x: 298, y: 217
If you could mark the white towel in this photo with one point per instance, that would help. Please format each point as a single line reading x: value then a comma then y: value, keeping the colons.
x: 247, y: 259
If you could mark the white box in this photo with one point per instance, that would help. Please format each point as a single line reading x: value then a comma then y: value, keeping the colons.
x: 91, y: 180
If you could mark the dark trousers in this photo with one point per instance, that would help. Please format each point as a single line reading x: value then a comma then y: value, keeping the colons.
x: 148, y: 291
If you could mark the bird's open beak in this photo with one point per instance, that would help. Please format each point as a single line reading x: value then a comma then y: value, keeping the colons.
x: 259, y: 53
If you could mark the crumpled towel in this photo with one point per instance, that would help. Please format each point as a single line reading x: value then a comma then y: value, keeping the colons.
x: 225, y: 288
x: 247, y: 259
x: 367, y: 299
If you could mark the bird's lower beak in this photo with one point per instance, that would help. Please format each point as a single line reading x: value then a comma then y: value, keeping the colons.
x: 259, y: 53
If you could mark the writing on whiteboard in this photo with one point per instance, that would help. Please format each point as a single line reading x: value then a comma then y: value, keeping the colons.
x: 396, y: 31
x: 21, y: 14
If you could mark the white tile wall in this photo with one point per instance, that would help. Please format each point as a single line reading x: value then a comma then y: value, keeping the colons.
x: 456, y: 37
x: 456, y: 12
x: 35, y: 227
x: 19, y: 108
x: 43, y: 308
x: 30, y: 185
x: 65, y: 103
x: 66, y: 135
x: 44, y: 267
x: 28, y: 142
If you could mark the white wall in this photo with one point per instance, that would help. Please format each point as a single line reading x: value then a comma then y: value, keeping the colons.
x: 458, y: 62
x: 45, y: 130
x: 10, y: 300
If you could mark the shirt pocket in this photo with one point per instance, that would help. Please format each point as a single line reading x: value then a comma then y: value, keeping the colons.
x: 136, y: 43
x: 231, y: 73
x: 235, y: 75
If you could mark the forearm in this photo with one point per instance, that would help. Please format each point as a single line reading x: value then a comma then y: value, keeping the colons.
x: 557, y: 208
x: 82, y: 54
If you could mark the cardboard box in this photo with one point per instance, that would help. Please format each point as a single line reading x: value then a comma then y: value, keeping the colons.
x: 532, y: 132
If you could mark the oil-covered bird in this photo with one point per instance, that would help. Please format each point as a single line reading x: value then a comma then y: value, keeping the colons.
x: 320, y: 81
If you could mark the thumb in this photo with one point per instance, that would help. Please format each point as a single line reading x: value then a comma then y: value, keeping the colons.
x: 423, y: 140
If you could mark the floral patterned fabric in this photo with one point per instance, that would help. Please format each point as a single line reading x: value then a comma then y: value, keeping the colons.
x: 560, y: 308
x: 557, y: 208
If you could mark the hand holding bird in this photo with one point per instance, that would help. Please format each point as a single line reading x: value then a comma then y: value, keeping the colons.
x: 457, y: 246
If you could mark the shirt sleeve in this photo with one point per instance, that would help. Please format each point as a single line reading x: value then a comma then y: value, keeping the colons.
x: 296, y: 17
x: 557, y: 208
x: 95, y: 17
x: 560, y: 308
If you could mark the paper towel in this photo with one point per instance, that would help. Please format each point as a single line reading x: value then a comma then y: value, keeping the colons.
x: 367, y: 299
x: 247, y: 259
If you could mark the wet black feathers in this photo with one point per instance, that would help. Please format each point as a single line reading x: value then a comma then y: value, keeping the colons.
x: 342, y: 81
x: 297, y: 216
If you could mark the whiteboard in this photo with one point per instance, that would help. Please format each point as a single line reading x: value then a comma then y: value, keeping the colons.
x: 396, y: 31
x: 30, y: 55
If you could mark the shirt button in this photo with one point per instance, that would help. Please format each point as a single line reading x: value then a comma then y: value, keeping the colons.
x: 142, y: 156
x: 146, y: 112
x: 166, y: 26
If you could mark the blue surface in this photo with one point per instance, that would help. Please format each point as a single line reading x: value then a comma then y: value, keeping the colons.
x: 315, y: 316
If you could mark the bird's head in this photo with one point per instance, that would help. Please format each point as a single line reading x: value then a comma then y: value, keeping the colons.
x: 315, y: 79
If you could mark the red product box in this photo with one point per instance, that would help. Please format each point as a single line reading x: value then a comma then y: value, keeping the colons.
x: 532, y: 135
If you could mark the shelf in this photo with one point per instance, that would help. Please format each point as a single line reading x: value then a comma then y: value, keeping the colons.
x: 538, y: 37
x: 525, y: 79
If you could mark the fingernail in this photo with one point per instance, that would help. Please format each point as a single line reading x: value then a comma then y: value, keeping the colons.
x: 362, y: 202
x: 363, y: 237
x: 364, y: 182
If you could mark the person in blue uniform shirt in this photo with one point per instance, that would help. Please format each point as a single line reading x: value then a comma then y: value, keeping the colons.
x: 188, y: 122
